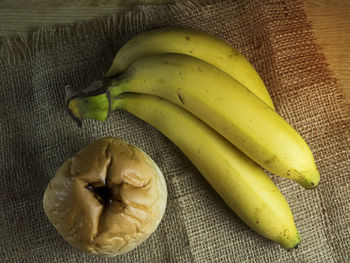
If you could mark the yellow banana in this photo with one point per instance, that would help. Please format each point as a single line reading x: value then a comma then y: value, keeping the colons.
x: 226, y: 106
x: 194, y: 43
x: 246, y: 189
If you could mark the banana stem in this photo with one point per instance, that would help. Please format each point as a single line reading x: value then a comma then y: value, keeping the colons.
x: 97, y: 100
x: 91, y: 103
x: 90, y: 107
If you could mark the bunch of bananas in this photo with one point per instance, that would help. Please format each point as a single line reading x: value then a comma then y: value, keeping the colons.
x: 208, y: 99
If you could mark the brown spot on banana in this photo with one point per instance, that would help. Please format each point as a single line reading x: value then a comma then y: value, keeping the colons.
x: 180, y: 98
x: 271, y: 160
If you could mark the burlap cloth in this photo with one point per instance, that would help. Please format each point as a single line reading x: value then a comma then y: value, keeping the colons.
x: 37, y: 135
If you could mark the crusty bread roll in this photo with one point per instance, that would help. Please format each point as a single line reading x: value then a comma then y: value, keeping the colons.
x: 107, y: 199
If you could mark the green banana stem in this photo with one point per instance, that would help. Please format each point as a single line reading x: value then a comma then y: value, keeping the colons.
x: 97, y: 101
x: 94, y: 102
x: 91, y: 107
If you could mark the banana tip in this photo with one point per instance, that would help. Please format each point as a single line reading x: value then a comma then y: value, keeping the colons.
x: 310, y: 179
x: 312, y: 184
x: 293, y: 243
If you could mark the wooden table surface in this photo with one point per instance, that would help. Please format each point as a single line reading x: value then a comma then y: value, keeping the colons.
x: 331, y: 21
x: 330, y: 18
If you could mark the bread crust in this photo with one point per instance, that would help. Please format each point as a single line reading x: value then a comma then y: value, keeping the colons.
x: 107, y: 199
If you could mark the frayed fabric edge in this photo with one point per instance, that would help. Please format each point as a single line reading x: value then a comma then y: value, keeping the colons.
x: 19, y: 49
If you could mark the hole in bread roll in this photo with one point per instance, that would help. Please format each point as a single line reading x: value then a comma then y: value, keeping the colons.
x: 102, y: 193
x: 107, y: 199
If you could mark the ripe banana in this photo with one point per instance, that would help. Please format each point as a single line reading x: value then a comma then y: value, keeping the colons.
x: 226, y: 106
x: 194, y: 43
x: 246, y: 189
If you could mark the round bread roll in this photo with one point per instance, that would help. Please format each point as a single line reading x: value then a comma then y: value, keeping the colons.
x: 107, y: 199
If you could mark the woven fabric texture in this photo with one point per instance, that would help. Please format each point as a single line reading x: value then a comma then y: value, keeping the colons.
x: 37, y: 135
